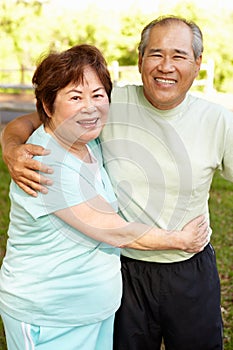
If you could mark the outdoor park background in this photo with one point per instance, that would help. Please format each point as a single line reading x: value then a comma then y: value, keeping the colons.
x: 30, y: 28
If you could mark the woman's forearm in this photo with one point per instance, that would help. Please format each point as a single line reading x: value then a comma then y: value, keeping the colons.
x: 142, y: 237
x: 193, y: 238
x: 97, y: 220
x: 150, y: 238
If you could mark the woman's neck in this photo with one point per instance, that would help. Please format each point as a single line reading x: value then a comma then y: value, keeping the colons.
x: 78, y: 149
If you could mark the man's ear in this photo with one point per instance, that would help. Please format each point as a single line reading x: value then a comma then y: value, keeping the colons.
x: 198, y: 64
x: 139, y: 62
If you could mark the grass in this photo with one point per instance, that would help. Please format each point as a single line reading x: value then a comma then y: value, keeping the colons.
x: 221, y: 209
x: 4, y: 219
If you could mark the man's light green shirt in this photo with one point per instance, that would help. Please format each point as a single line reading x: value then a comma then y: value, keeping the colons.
x: 161, y: 162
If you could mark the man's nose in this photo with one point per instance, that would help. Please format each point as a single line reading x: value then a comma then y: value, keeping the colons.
x: 166, y: 65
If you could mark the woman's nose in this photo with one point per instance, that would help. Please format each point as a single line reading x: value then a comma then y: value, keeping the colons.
x: 88, y: 107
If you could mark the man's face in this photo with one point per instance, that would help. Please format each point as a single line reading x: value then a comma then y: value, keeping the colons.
x: 168, y: 67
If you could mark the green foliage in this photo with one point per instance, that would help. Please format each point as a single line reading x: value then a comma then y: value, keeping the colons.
x: 128, y: 39
x: 217, y: 27
x: 18, y: 22
x: 29, y: 28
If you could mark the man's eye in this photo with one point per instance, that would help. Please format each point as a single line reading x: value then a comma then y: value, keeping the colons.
x: 178, y: 57
x: 156, y: 55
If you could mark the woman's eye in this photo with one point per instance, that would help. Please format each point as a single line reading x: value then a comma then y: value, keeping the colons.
x: 75, y: 98
x: 98, y: 96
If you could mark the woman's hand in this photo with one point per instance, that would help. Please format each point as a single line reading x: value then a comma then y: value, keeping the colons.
x: 23, y: 168
x: 195, y: 235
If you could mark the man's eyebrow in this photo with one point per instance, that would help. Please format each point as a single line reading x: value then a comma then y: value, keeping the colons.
x: 155, y: 50
x: 182, y: 52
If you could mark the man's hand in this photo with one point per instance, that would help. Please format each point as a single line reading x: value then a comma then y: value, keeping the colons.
x: 195, y: 235
x: 22, y: 168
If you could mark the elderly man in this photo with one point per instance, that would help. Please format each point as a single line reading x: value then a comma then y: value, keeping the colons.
x: 161, y: 148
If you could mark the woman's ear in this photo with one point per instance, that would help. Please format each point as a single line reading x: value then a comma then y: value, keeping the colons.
x: 46, y: 110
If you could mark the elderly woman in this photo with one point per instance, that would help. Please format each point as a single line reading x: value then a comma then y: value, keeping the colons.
x: 60, y: 282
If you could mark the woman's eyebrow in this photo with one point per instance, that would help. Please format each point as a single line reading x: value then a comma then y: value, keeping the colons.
x: 79, y: 91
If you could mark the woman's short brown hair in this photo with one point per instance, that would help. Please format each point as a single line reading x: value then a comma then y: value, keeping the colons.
x: 57, y: 70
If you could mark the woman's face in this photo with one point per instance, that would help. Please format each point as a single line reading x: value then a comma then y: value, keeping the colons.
x: 80, y: 111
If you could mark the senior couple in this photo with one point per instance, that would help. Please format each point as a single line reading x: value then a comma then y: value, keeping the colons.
x: 147, y: 200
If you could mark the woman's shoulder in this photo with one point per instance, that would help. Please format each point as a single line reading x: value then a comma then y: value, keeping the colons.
x: 39, y: 137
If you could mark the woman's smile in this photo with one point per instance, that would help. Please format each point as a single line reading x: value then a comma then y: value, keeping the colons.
x: 88, y: 123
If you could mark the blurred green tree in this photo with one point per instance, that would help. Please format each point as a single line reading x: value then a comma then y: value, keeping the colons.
x: 29, y: 28
x: 17, y: 22
x: 217, y: 27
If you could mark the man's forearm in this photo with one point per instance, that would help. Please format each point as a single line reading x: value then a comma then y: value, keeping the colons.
x: 18, y: 130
